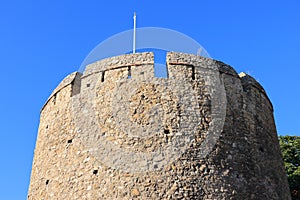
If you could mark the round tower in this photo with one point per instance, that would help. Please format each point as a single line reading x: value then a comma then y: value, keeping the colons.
x: 118, y: 132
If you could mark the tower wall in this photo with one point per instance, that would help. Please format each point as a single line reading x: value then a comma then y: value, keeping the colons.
x: 117, y: 105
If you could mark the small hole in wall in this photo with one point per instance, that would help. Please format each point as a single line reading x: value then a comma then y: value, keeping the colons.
x: 261, y: 149
x: 54, y: 99
x: 102, y: 76
x: 88, y: 85
x: 166, y: 131
x: 69, y: 141
x: 47, y: 182
x: 95, y: 171
x: 47, y: 127
x: 129, y: 72
x: 193, y: 72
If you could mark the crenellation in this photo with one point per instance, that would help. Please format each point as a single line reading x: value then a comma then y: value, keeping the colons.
x: 175, y: 58
x: 249, y: 83
x: 120, y: 61
x: 71, y: 79
x: 227, y: 69
x: 76, y: 84
x: 143, y: 72
x: 145, y: 60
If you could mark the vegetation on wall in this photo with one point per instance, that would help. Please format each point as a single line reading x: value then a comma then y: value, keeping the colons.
x: 290, y: 148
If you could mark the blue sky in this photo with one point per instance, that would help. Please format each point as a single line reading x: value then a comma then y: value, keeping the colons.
x: 43, y: 41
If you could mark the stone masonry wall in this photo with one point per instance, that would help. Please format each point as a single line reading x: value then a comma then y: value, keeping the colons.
x: 118, y: 132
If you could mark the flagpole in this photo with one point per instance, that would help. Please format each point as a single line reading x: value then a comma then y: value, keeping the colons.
x: 134, y: 32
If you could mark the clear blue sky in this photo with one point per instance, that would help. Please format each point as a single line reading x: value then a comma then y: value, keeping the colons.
x: 43, y: 41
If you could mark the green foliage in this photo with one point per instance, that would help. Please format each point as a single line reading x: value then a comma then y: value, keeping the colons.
x: 290, y: 148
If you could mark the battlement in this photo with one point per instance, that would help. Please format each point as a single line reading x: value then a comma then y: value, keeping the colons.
x: 72, y: 80
x: 141, y: 65
x: 147, y: 58
x: 116, y: 62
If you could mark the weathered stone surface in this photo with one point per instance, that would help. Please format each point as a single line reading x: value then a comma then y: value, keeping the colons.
x: 118, y: 104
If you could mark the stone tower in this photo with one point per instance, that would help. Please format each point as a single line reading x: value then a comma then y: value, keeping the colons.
x: 118, y: 132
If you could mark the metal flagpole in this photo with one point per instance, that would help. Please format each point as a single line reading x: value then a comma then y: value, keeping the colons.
x: 199, y: 51
x: 134, y: 32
